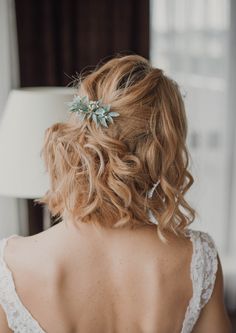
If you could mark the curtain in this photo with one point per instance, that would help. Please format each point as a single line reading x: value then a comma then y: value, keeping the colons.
x: 9, y: 217
x: 58, y: 38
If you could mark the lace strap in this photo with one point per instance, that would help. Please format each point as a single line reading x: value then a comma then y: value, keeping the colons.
x: 19, y: 319
x: 210, y: 263
x: 203, y: 270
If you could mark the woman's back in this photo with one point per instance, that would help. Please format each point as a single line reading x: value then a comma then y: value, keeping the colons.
x: 97, y: 280
x: 102, y: 282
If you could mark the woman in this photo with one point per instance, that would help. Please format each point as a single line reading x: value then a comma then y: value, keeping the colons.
x: 122, y: 259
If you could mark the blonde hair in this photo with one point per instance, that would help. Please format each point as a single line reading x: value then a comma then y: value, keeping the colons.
x: 104, y: 174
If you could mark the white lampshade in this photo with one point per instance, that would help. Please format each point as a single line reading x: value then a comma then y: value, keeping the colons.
x: 28, y: 113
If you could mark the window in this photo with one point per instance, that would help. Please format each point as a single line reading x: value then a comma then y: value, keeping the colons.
x: 189, y: 40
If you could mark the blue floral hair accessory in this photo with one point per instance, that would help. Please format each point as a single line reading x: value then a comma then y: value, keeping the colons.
x: 94, y: 110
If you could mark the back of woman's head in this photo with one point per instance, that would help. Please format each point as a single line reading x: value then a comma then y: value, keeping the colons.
x: 103, y: 175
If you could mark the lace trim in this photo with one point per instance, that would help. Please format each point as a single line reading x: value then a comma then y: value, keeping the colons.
x: 203, y: 274
x: 19, y: 318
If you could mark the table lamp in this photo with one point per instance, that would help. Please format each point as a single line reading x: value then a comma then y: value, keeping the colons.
x: 28, y: 113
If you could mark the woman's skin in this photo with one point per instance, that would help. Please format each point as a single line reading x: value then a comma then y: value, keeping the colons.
x: 89, y: 279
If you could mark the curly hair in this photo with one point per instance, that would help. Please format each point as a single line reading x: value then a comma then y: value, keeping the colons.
x: 102, y: 174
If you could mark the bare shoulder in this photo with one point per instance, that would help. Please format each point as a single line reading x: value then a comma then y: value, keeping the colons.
x: 24, y: 257
x: 170, y: 258
x: 177, y: 246
x: 214, y: 317
x: 21, y: 248
x: 17, y: 251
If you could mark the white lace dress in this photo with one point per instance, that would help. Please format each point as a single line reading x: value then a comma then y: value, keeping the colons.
x: 203, y: 273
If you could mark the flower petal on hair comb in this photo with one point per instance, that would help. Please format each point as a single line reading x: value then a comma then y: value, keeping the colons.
x: 94, y: 110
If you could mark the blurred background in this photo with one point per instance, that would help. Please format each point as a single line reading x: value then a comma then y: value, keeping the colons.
x: 45, y: 43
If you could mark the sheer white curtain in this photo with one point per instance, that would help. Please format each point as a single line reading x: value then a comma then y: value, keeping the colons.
x: 190, y: 41
x: 194, y: 42
x: 9, y: 213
